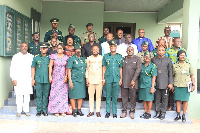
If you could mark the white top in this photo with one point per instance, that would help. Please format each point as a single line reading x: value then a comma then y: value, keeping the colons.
x: 20, y: 70
x: 105, y: 48
x: 122, y: 48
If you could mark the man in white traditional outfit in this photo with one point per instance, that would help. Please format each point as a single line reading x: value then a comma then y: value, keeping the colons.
x: 20, y: 72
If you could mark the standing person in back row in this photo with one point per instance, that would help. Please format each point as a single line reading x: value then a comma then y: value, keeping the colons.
x: 164, y: 82
x: 20, y: 73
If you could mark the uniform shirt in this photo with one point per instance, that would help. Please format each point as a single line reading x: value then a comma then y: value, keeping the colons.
x: 48, y: 35
x: 85, y: 39
x: 146, y: 75
x: 172, y: 54
x: 94, y: 69
x: 20, y: 70
x: 138, y: 42
x: 182, y: 72
x: 51, y: 51
x: 141, y: 56
x: 122, y: 48
x: 105, y: 48
x: 33, y: 49
x: 112, y: 63
x: 77, y: 41
x: 154, y: 52
x: 131, y: 70
x: 164, y: 72
x: 77, y: 66
x: 120, y: 41
x: 41, y: 65
x: 102, y: 39
x: 87, y: 49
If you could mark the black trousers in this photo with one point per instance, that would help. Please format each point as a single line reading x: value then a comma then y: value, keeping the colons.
x: 161, y: 97
x: 126, y: 93
x: 171, y: 99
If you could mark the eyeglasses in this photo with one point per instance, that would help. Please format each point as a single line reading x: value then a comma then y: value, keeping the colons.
x: 91, y: 36
x: 59, y: 48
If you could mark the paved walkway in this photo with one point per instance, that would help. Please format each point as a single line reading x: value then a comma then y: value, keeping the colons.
x: 30, y: 126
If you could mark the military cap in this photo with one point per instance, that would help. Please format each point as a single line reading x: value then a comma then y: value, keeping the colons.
x: 89, y: 24
x: 145, y: 43
x: 71, y: 26
x: 77, y: 47
x: 147, y: 53
x: 112, y: 42
x: 54, y: 20
x: 35, y: 33
x: 44, y: 45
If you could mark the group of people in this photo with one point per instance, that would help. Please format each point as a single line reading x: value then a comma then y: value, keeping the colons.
x: 118, y: 68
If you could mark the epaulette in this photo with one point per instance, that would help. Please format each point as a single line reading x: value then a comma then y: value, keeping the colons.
x: 37, y: 55
x: 118, y: 54
x: 154, y: 65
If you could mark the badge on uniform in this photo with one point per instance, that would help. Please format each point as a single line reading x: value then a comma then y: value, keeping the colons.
x: 76, y: 61
x: 184, y: 71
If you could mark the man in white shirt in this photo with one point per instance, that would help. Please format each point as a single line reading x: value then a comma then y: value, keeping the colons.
x: 122, y: 48
x: 20, y: 72
x: 105, y: 45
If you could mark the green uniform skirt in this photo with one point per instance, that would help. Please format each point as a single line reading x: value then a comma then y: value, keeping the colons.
x: 181, y: 94
x: 145, y: 95
x: 79, y: 90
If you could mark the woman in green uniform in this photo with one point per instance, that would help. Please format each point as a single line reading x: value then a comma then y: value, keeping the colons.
x: 183, y: 74
x: 146, y: 84
x: 76, y: 67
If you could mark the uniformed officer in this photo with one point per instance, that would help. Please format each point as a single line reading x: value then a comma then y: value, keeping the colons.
x: 145, y: 46
x: 112, y: 77
x: 103, y: 38
x: 84, y: 38
x: 77, y: 40
x: 147, y: 84
x: 40, y: 79
x: 34, y: 46
x: 48, y: 35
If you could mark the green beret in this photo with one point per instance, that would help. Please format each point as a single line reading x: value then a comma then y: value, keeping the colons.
x: 147, y: 53
x: 77, y: 47
x: 71, y: 26
x: 145, y: 43
x: 44, y: 45
x: 54, y: 20
x: 89, y: 24
x: 35, y: 33
x: 112, y: 42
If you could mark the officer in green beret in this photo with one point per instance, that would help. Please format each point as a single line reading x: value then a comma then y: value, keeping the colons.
x: 34, y: 46
x: 48, y: 35
x: 40, y: 79
x: 112, y: 77
x: 103, y: 38
x: 84, y: 38
x: 77, y: 40
x: 145, y: 46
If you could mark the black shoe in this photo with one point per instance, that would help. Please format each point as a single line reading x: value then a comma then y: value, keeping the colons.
x: 103, y: 99
x: 79, y: 112
x: 45, y: 113
x: 183, y: 118
x: 74, y: 113
x: 114, y: 115
x: 178, y: 117
x: 147, y: 116
x: 157, y: 115
x: 162, y: 116
x: 142, y: 116
x: 38, y: 113
x: 107, y: 115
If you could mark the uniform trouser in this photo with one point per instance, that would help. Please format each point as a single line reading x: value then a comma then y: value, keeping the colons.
x: 171, y: 99
x: 42, y: 93
x: 112, y: 90
x: 126, y: 93
x: 22, y: 102
x: 91, y: 92
x: 120, y: 92
x: 161, y: 97
x: 104, y: 91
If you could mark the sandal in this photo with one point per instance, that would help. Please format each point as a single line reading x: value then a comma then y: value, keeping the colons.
x: 56, y: 114
x: 18, y: 114
x: 63, y: 114
x: 27, y: 114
